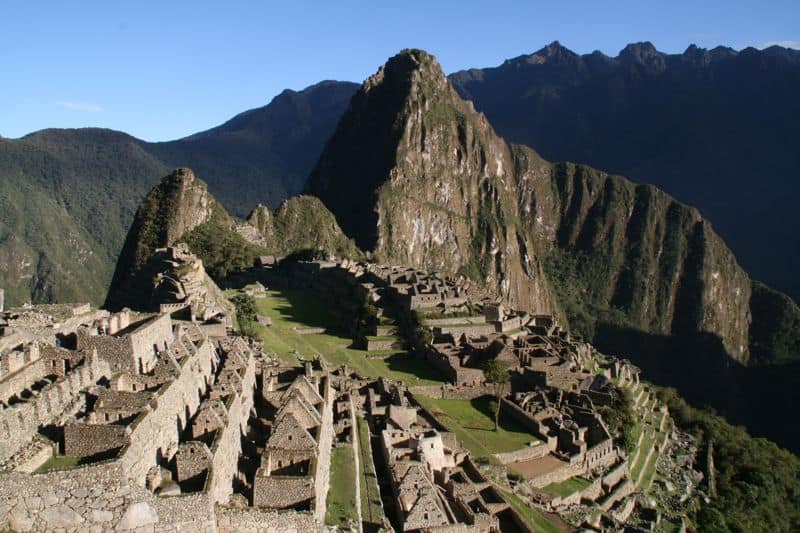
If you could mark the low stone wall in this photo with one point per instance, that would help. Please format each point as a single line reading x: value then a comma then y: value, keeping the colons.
x: 615, y: 475
x: 591, y: 493
x: 384, y: 344
x: 472, y: 330
x: 523, y: 454
x: 19, y: 423
x: 252, y: 520
x: 452, y: 392
x: 557, y: 476
x: 622, y: 490
x: 309, y: 331
x: 434, y: 322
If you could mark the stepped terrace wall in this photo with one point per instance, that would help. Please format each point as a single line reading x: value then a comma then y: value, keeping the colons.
x: 19, y: 423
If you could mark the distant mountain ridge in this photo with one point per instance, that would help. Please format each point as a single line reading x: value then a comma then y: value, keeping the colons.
x: 711, y: 127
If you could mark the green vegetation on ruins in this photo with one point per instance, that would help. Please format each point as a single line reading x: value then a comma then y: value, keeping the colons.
x: 341, y: 503
x: 371, y: 509
x: 222, y: 250
x: 757, y: 483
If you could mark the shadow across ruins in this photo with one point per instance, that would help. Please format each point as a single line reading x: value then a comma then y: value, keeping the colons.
x: 411, y: 364
x: 312, y: 311
x: 485, y: 405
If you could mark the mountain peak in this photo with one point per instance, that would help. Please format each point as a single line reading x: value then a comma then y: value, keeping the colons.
x: 642, y: 52
x: 405, y: 69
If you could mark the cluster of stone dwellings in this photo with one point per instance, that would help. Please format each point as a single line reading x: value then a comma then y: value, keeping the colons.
x: 150, y: 407
x: 294, y: 465
x: 435, y: 485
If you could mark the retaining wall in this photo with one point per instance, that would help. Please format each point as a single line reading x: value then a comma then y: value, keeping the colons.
x: 19, y: 423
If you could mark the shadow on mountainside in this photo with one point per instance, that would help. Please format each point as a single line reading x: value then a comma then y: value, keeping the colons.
x: 699, y: 368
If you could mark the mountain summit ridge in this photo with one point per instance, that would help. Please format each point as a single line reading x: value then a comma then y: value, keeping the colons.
x: 452, y: 195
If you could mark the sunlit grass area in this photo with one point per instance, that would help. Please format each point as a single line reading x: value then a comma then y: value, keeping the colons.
x: 341, y: 505
x: 293, y: 310
x: 535, y: 518
x: 473, y: 422
x: 565, y: 488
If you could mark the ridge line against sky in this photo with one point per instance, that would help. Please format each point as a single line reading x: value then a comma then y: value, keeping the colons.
x: 162, y: 72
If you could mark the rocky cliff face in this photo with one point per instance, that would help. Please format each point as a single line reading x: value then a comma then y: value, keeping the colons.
x: 728, y: 114
x: 417, y: 176
x: 178, y: 204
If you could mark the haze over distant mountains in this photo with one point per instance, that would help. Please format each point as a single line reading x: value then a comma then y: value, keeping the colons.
x: 713, y: 128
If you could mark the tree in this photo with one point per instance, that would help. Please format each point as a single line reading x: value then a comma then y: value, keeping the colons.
x: 496, y: 372
x: 246, y: 312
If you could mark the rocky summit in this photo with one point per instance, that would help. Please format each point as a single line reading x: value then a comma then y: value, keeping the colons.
x: 416, y: 176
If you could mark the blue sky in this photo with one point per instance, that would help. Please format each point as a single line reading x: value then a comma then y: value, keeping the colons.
x: 163, y: 71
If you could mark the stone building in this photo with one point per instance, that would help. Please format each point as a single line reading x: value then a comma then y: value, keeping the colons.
x: 295, y: 465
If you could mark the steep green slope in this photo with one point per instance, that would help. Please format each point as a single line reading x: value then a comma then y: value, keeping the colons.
x: 68, y: 196
x: 300, y: 223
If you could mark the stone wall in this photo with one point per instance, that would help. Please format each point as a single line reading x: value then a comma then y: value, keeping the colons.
x: 22, y: 378
x: 384, y: 344
x: 19, y: 423
x: 453, y: 392
x: 433, y: 322
x: 86, y: 440
x: 158, y: 430
x: 96, y: 498
x: 228, y: 442
x: 523, y: 454
x: 252, y: 520
x: 323, y: 473
x: 471, y: 330
x: 558, y: 475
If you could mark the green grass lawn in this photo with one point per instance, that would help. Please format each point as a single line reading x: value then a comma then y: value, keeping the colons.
x: 535, y: 518
x: 341, y: 507
x: 649, y: 469
x: 290, y: 309
x: 371, y: 510
x: 473, y: 423
x: 59, y: 462
x: 565, y: 488
x: 647, y: 443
